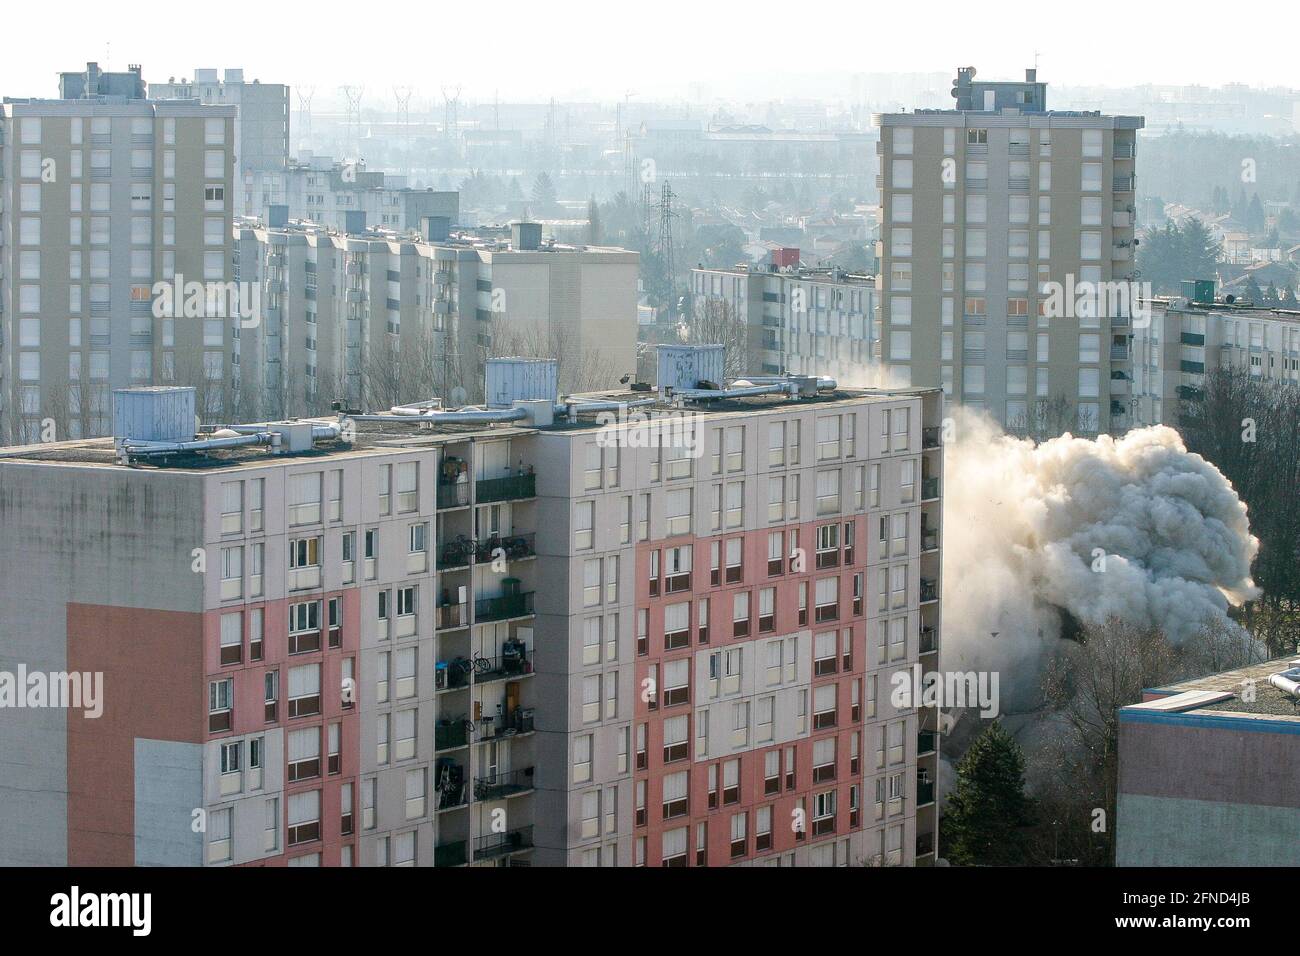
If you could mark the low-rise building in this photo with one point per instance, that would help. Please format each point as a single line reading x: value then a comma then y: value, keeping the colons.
x: 1207, y: 771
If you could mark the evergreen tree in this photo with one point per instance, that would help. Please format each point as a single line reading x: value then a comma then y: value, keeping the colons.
x: 1255, y: 216
x: 1254, y: 294
x: 987, y: 818
x: 543, y: 191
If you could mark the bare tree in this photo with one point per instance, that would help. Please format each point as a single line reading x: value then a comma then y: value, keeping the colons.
x: 1249, y: 428
x: 717, y: 322
x: 1086, y: 684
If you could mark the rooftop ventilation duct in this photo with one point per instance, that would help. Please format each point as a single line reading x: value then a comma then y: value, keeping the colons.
x: 1288, y: 681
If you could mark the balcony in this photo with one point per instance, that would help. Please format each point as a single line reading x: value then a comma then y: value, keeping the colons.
x: 929, y: 640
x: 500, y: 786
x: 519, y: 721
x: 455, y: 554
x: 512, y: 547
x: 929, y: 489
x: 513, y: 661
x: 514, y: 488
x: 503, y: 844
x: 924, y: 844
x: 930, y: 437
x: 1123, y: 184
x: 453, y: 615
x: 450, y: 854
x: 925, y: 742
x: 924, y: 792
x: 929, y: 539
x: 1191, y: 338
x: 1119, y: 353
x: 453, y: 494
x: 504, y: 607
x: 450, y: 735
x: 929, y: 590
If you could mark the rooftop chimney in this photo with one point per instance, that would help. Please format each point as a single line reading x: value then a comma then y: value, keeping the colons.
x: 526, y: 236
x: 436, y: 228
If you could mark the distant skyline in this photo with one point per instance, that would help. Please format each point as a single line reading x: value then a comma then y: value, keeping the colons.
x: 585, y: 49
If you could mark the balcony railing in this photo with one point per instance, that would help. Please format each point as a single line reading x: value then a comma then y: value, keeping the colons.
x: 929, y: 590
x: 929, y: 539
x: 518, y: 721
x: 924, y: 844
x: 453, y: 494
x: 929, y: 488
x: 929, y: 640
x: 1119, y: 353
x: 498, y: 786
x: 930, y: 437
x: 503, y: 607
x: 453, y: 615
x: 513, y: 547
x: 488, y: 490
x: 450, y: 734
x: 449, y: 854
x: 924, y: 792
x: 502, y: 844
x: 925, y: 741
x: 513, y: 661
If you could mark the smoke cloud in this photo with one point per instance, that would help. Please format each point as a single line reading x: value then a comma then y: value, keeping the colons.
x: 1135, y: 527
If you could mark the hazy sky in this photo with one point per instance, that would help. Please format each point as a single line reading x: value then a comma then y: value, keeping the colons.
x: 581, y: 49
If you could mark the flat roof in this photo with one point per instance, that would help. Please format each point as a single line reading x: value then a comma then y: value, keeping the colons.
x: 371, y: 437
x: 1221, y: 695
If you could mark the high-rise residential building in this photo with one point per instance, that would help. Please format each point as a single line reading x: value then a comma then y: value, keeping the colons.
x: 102, y: 194
x: 374, y: 316
x: 261, y: 128
x: 328, y: 191
x: 487, y: 636
x: 1207, y: 771
x: 1189, y: 337
x: 797, y: 320
x: 986, y: 210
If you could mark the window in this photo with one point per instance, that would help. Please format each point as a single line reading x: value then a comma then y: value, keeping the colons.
x: 304, y: 817
x: 304, y: 690
x: 676, y: 738
x: 676, y: 682
x: 675, y: 799
x: 232, y: 638
x: 584, y: 525
x: 220, y: 696
x: 740, y: 614
x: 304, y: 754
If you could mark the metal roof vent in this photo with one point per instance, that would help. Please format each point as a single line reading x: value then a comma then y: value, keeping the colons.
x: 686, y: 366
x: 153, y: 413
x: 510, y: 380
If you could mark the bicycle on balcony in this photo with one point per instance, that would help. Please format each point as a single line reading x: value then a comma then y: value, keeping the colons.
x: 478, y: 665
x: 458, y: 552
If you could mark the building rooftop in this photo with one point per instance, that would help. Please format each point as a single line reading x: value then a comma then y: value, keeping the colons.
x: 390, y: 434
x: 1222, y: 695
